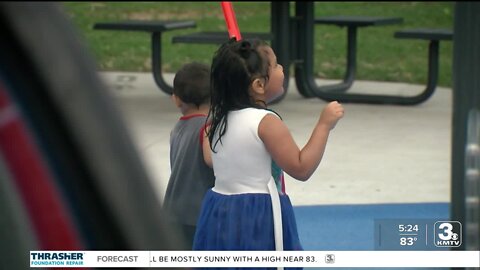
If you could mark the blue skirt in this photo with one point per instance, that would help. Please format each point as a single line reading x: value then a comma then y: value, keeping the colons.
x: 243, y: 222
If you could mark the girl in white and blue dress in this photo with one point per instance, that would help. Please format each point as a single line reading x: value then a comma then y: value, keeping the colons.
x: 246, y: 209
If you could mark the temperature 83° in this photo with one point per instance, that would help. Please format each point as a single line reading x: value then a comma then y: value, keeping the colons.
x: 408, y: 241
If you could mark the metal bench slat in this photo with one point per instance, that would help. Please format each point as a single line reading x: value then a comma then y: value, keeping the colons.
x: 216, y: 37
x: 148, y: 26
x: 358, y: 21
x: 425, y: 33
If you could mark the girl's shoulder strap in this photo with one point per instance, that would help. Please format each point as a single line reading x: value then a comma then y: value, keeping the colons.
x: 274, y: 113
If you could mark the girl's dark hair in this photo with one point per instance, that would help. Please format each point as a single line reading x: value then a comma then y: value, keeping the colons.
x: 235, y: 65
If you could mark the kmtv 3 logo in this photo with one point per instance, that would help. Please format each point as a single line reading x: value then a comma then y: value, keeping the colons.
x: 448, y: 234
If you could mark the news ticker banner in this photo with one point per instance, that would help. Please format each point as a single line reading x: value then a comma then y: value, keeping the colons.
x: 193, y: 259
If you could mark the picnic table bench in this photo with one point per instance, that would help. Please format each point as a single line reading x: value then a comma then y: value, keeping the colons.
x: 216, y: 37
x: 434, y: 35
x: 279, y: 19
x: 304, y: 77
x: 352, y: 23
x: 155, y: 28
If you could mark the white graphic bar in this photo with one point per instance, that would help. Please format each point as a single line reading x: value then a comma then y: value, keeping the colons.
x: 178, y: 259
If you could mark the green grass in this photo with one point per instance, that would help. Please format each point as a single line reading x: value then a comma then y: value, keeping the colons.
x: 380, y: 56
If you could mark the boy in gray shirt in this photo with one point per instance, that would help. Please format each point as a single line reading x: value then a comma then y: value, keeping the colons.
x: 190, y: 175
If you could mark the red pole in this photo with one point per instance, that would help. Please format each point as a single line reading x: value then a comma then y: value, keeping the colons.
x: 47, y: 211
x: 231, y: 20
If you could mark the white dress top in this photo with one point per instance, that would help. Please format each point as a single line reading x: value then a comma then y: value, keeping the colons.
x: 241, y: 163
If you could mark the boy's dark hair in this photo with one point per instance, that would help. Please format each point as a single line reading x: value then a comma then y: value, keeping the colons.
x: 192, y: 83
x: 235, y: 65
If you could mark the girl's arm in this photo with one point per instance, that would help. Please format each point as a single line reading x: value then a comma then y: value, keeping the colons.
x: 207, y: 155
x: 300, y: 164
